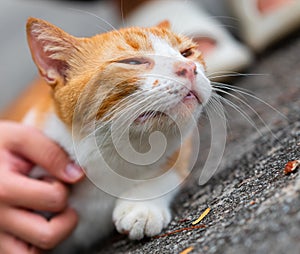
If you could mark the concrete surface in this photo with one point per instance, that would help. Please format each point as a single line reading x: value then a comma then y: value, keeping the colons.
x: 255, y: 208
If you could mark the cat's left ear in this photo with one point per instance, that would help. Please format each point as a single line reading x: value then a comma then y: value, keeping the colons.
x: 164, y: 24
x: 51, y: 49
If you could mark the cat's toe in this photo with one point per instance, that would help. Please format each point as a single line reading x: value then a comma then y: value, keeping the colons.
x: 140, y: 220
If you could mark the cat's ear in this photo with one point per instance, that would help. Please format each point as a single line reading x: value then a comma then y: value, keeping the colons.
x: 51, y: 49
x: 164, y: 24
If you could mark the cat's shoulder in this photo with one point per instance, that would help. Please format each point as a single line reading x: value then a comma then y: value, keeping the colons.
x: 36, y: 98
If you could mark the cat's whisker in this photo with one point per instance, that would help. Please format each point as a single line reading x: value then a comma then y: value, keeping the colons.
x: 223, y: 72
x: 252, y: 109
x: 130, y: 103
x: 128, y: 107
x: 97, y: 17
x: 162, y: 77
x: 242, y: 112
x: 143, y: 100
x: 175, y: 80
x: 116, y: 108
x: 124, y: 103
x: 210, y: 75
x: 244, y: 92
x: 129, y: 121
x: 214, y: 103
x: 145, y: 126
x: 230, y: 87
x: 239, y: 100
x: 234, y: 74
x: 122, y: 12
x: 227, y: 26
x: 136, y: 102
x: 224, y: 17
x: 215, y: 88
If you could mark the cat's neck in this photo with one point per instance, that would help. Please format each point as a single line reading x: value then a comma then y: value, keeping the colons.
x: 55, y: 129
x: 86, y: 151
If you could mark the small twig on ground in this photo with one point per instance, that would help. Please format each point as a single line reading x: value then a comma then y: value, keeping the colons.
x: 187, y: 250
x: 180, y: 230
x: 201, y: 216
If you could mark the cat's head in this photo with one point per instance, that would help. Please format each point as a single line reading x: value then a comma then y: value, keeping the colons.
x: 141, y: 74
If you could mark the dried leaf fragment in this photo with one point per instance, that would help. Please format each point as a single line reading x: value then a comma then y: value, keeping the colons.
x: 187, y: 250
x: 201, y: 216
x: 291, y: 166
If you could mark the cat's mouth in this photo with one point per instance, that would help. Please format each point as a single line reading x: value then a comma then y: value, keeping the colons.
x: 151, y: 114
x: 192, y: 95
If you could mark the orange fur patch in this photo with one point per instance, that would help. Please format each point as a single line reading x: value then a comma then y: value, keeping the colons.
x: 155, y: 83
x: 137, y: 40
x: 37, y: 96
x: 120, y: 92
x: 180, y: 160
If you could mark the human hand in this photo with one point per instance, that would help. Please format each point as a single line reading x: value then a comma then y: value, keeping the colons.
x: 21, y: 229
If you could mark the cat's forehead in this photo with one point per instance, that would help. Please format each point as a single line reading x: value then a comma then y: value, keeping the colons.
x: 161, y: 46
x: 150, y: 40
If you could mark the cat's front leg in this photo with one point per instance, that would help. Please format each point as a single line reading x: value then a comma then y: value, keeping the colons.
x: 146, y: 218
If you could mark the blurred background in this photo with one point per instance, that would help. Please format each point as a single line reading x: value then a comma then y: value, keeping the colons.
x: 214, y: 24
x: 17, y: 69
x: 80, y: 18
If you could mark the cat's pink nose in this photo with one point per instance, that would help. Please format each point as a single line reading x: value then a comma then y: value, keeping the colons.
x: 186, y: 70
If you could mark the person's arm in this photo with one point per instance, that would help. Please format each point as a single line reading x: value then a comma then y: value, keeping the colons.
x: 21, y: 229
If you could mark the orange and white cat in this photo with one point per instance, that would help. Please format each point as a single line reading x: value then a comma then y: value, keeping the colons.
x: 138, y: 81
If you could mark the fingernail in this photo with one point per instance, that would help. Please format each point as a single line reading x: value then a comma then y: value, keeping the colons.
x: 74, y: 172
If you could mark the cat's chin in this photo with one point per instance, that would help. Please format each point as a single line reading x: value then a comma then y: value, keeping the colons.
x: 185, y: 109
x: 188, y: 104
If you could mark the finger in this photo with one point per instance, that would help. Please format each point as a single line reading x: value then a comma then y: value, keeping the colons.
x: 35, y: 146
x: 9, y: 244
x: 35, y: 229
x: 21, y: 191
x: 14, y: 163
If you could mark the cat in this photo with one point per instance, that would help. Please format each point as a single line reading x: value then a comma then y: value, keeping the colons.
x: 106, y: 100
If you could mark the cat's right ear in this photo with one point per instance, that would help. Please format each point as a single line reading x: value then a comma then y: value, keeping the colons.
x: 51, y: 49
x: 164, y: 24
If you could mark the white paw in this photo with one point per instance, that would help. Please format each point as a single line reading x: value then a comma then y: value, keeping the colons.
x: 140, y: 219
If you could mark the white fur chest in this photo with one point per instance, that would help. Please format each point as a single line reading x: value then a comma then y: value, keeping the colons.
x: 93, y: 206
x: 99, y: 198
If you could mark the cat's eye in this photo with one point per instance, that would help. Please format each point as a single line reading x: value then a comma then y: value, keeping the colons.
x: 187, y: 53
x: 134, y: 61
